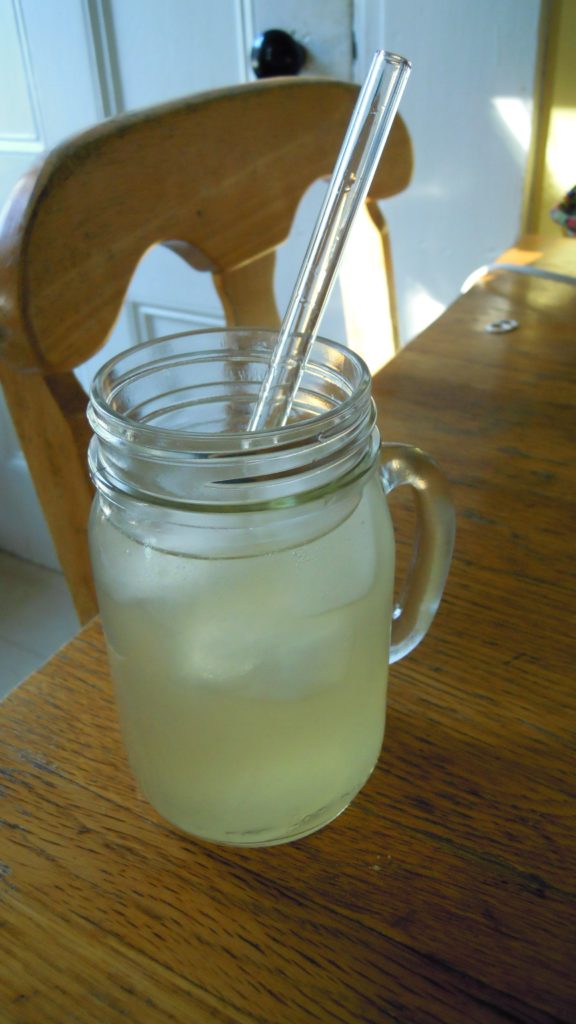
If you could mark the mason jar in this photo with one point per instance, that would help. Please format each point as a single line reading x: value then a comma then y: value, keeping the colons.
x: 245, y: 580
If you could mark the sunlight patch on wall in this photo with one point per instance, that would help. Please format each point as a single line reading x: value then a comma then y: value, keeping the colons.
x: 421, y: 309
x: 560, y: 149
x: 516, y: 114
x: 365, y: 294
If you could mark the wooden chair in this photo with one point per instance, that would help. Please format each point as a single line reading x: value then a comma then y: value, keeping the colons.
x: 217, y: 178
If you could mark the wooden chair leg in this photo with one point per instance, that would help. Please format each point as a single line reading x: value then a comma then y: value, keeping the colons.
x: 247, y: 293
x: 55, y: 450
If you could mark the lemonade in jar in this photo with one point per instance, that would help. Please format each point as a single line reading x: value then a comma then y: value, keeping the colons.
x: 245, y: 582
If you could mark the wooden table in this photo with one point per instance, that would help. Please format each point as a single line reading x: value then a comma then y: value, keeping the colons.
x: 444, y: 894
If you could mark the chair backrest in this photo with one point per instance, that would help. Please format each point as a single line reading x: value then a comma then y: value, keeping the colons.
x: 218, y: 179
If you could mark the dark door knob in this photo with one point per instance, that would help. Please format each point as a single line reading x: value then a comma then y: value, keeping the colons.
x: 275, y: 52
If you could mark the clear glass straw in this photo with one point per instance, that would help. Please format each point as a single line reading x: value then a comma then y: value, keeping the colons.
x: 355, y: 167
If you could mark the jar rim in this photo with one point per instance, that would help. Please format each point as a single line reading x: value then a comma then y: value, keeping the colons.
x: 211, y: 379
x: 131, y: 364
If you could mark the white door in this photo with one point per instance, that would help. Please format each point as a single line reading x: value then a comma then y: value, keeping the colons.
x: 66, y: 64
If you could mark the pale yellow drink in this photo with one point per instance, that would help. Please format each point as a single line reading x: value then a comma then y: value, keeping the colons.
x: 252, y: 687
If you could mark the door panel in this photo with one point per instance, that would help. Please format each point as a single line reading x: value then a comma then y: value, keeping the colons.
x: 184, y: 48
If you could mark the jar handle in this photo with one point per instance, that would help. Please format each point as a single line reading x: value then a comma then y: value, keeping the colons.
x: 432, y: 552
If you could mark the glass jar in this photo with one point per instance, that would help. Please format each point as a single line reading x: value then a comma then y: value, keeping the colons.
x: 245, y: 581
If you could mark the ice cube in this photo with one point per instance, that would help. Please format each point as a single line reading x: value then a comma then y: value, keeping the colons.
x: 229, y: 627
x: 223, y: 654
x: 307, y: 655
x: 129, y: 571
x: 333, y: 572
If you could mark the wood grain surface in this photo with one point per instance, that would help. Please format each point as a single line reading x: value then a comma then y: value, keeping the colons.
x: 445, y: 893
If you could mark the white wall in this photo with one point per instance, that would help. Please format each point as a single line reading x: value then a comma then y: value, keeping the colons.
x: 468, y: 107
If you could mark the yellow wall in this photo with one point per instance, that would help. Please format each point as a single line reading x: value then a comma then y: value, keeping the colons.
x: 555, y: 152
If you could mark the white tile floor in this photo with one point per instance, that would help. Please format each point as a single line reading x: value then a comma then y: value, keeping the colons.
x: 36, y: 617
